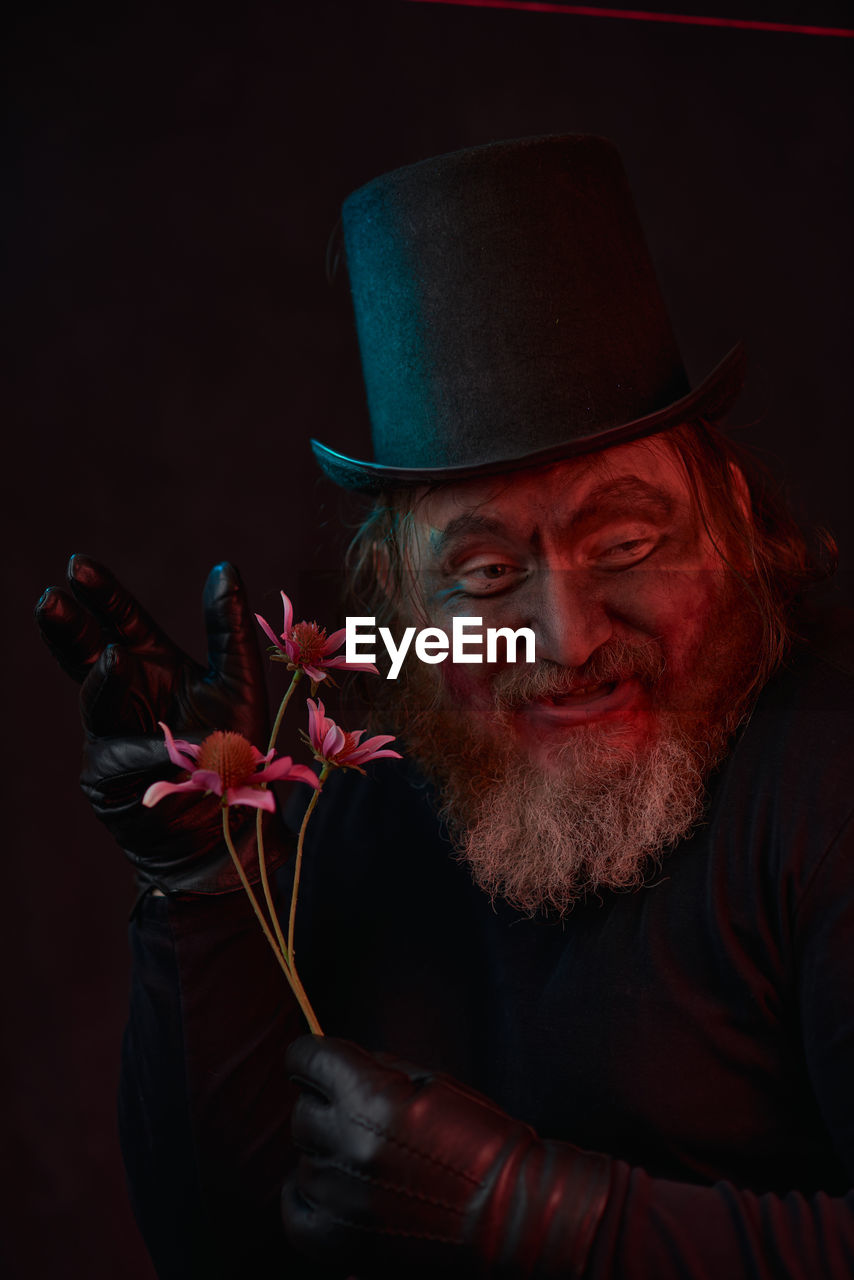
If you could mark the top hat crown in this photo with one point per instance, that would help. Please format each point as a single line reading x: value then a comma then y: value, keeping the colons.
x: 508, y: 315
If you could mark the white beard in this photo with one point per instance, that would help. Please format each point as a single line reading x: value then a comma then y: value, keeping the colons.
x: 542, y: 840
x: 601, y: 811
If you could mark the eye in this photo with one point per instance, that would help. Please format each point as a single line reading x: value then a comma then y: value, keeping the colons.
x: 489, y: 578
x: 624, y: 554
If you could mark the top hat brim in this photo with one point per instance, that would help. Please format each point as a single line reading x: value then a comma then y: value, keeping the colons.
x: 710, y: 400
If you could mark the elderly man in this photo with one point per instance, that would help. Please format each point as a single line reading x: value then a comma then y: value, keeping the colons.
x: 606, y: 903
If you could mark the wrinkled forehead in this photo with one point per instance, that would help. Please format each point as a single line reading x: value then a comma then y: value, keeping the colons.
x: 559, y: 492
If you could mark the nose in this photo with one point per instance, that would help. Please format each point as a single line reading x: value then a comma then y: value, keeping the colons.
x: 569, y: 619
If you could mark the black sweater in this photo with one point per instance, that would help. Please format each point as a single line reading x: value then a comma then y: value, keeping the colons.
x: 700, y: 1030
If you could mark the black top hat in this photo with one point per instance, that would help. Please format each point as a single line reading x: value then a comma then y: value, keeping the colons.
x: 508, y: 315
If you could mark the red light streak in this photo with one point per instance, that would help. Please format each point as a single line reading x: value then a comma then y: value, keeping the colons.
x: 639, y: 15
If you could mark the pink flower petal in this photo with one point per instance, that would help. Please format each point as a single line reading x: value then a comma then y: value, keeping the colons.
x: 333, y: 741
x: 362, y: 757
x: 318, y: 724
x: 158, y: 790
x: 251, y: 796
x: 315, y: 674
x: 289, y: 616
x: 350, y: 666
x: 208, y: 780
x: 314, y: 718
x: 379, y: 741
x: 283, y: 768
x: 335, y: 641
x: 175, y: 749
x: 369, y: 750
x: 302, y: 773
x: 268, y: 630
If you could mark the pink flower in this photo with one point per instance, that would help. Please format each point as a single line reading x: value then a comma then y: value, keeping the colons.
x: 228, y: 765
x: 306, y: 646
x: 335, y: 746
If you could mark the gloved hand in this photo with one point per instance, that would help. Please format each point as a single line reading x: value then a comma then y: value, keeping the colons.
x: 405, y: 1172
x: 132, y: 675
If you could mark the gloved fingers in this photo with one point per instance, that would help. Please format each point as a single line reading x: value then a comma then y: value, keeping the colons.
x: 335, y: 1068
x: 300, y: 1058
x: 111, y: 702
x: 233, y: 650
x: 415, y: 1074
x: 118, y: 770
x: 71, y: 634
x: 420, y: 1076
x: 341, y: 1189
x: 384, y: 1230
x: 381, y: 1200
x: 119, y: 613
x: 313, y: 1228
x: 314, y: 1121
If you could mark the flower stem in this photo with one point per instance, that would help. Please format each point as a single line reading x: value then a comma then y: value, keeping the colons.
x: 262, y: 859
x: 277, y: 723
x: 265, y: 883
x: 289, y: 952
x: 291, y: 975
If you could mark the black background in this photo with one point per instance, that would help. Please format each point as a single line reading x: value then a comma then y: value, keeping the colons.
x: 172, y: 179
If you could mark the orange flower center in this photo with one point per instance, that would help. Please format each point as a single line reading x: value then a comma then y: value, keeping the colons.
x: 311, y: 639
x: 229, y: 755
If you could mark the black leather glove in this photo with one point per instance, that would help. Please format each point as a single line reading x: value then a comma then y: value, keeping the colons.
x: 132, y: 676
x: 408, y: 1173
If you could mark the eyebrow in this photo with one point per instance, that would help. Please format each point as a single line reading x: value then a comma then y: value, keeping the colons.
x: 612, y: 496
x: 608, y: 500
x: 463, y: 526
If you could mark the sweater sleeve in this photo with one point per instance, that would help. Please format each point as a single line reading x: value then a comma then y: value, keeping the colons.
x: 204, y: 1098
x: 655, y: 1229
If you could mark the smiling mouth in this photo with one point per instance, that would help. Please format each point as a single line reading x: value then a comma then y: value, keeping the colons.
x: 589, y: 702
x: 584, y: 693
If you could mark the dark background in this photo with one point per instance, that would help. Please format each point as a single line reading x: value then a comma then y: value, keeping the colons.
x: 172, y: 179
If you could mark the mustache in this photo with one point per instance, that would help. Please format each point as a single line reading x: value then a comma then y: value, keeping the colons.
x: 613, y: 661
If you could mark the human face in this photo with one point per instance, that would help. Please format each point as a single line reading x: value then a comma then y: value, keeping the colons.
x: 601, y: 555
